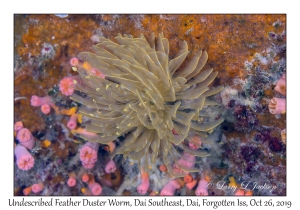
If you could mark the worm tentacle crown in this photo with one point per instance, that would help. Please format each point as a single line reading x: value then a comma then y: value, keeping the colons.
x: 146, y: 97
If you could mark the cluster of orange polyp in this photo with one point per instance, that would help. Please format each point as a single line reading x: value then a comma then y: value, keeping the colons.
x: 145, y: 98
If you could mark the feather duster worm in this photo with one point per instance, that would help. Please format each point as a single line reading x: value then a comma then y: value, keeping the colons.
x: 144, y: 97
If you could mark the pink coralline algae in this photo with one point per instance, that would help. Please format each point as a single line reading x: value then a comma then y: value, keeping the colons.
x: 281, y: 85
x: 170, y: 188
x: 72, y: 124
x: 72, y: 180
x: 25, y: 138
x: 45, y: 108
x: 110, y: 167
x: 85, y: 177
x: 277, y: 106
x: 36, y: 188
x: 25, y: 161
x: 74, y: 61
x: 88, y: 154
x: 74, y: 119
x: 202, y: 187
x: 187, y: 161
x: 18, y: 126
x: 39, y: 101
x: 95, y: 187
x: 144, y: 186
x: 44, y: 103
x: 67, y: 86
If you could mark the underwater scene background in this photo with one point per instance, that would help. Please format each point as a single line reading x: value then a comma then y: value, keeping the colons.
x: 88, y: 125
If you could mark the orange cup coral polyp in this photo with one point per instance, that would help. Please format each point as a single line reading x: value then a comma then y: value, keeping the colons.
x: 144, y: 96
